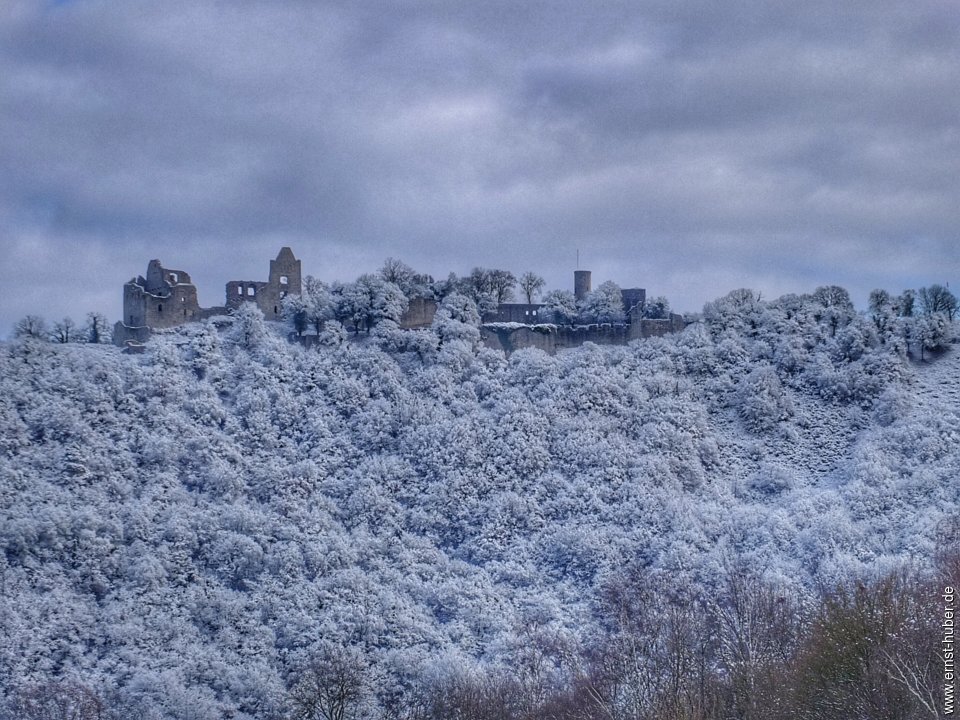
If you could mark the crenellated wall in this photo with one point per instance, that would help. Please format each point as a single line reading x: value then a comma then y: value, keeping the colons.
x: 553, y: 338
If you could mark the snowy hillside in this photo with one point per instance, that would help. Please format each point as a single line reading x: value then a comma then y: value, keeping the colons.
x: 187, y: 530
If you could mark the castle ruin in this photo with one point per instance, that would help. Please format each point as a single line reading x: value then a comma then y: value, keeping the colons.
x: 166, y: 298
x: 513, y: 326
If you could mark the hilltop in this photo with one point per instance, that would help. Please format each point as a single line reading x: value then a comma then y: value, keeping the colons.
x: 188, y: 530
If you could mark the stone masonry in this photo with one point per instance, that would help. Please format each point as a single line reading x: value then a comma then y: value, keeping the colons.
x: 166, y: 298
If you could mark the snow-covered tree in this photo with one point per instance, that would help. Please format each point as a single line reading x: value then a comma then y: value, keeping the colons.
x: 369, y: 300
x: 294, y: 313
x: 410, y: 282
x: 319, y: 305
x: 906, y: 303
x: 603, y: 305
x: 739, y: 310
x: 657, y: 308
x: 560, y: 306
x: 883, y: 313
x: 191, y: 531
x: 488, y: 287
x: 832, y: 306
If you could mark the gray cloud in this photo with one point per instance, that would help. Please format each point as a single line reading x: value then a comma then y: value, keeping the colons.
x: 686, y: 147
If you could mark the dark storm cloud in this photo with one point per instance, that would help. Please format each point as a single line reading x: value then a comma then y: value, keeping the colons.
x: 687, y: 147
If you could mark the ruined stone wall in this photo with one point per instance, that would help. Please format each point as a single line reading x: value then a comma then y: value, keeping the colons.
x: 419, y: 314
x: 515, y: 312
x: 550, y: 338
x: 122, y: 334
x: 284, y: 279
x: 212, y: 312
x: 178, y: 307
x: 241, y: 291
x: 134, y: 305
x: 164, y: 298
x: 645, y: 327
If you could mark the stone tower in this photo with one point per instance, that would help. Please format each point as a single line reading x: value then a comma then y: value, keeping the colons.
x: 581, y: 284
x: 285, y: 272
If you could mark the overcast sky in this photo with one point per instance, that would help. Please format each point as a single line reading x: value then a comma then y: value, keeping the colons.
x: 686, y: 146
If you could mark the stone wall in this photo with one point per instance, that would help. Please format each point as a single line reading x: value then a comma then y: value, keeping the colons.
x: 284, y: 279
x: 122, y: 334
x: 515, y: 313
x: 644, y: 328
x: 419, y: 314
x: 240, y: 291
x: 164, y: 298
x: 552, y: 338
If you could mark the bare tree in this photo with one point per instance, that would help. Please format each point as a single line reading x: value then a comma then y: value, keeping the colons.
x: 412, y: 283
x: 758, y: 632
x: 58, y: 701
x: 531, y: 284
x: 474, y: 696
x: 332, y: 686
x: 845, y: 660
x: 488, y: 288
x: 502, y: 283
x: 32, y: 326
x: 64, y: 331
x: 937, y: 299
x: 98, y: 329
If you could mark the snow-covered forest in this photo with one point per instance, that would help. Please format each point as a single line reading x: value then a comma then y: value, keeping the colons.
x: 409, y: 525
